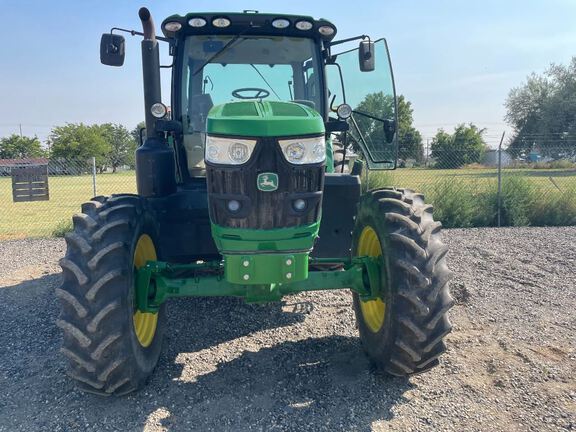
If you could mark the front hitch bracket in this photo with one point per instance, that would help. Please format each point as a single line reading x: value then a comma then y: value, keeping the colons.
x: 157, y: 281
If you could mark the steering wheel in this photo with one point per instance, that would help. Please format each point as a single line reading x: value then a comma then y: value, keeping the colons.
x: 259, y: 93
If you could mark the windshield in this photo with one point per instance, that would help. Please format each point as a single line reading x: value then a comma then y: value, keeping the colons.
x: 223, y: 68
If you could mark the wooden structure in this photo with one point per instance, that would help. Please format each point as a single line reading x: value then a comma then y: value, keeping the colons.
x: 30, y: 183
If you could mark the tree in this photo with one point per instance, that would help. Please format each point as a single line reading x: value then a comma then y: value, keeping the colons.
x: 17, y: 147
x: 135, y: 133
x: 464, y: 146
x: 542, y: 112
x: 409, y: 138
x: 121, y: 143
x: 80, y: 142
x: 382, y: 106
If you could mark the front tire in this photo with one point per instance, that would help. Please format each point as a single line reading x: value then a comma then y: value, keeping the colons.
x: 111, y: 347
x: 403, y: 330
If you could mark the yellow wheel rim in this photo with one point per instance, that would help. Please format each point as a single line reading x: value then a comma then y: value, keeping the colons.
x: 373, y: 311
x: 144, y: 322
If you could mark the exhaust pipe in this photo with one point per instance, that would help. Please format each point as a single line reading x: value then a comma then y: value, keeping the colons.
x: 155, y: 166
x: 150, y: 69
x: 147, y: 24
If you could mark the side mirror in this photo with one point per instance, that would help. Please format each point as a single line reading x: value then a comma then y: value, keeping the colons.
x: 366, y: 56
x: 389, y: 129
x: 112, y: 49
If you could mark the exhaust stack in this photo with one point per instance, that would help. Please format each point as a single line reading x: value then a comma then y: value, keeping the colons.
x: 155, y: 166
x: 150, y: 69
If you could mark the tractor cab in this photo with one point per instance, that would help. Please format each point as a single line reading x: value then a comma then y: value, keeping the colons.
x: 233, y: 57
x: 221, y: 58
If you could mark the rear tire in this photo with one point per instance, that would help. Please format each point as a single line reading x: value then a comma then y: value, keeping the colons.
x: 106, y: 354
x: 403, y: 331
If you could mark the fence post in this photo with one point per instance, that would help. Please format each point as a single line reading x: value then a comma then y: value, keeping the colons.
x: 500, y: 177
x: 94, y: 175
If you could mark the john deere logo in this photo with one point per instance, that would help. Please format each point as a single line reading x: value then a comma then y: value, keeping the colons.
x: 267, y: 182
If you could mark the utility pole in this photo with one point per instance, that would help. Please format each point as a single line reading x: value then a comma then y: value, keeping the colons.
x: 20, y: 125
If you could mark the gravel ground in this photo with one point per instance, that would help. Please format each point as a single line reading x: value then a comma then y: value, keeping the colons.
x: 299, y: 366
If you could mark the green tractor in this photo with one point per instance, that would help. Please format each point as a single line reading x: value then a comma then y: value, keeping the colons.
x: 250, y: 186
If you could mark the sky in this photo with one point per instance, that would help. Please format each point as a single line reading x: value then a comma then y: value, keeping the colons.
x: 454, y: 60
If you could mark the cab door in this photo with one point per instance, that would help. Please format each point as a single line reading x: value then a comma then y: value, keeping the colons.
x: 372, y: 97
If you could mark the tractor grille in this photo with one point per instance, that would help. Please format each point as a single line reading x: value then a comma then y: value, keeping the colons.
x: 264, y: 210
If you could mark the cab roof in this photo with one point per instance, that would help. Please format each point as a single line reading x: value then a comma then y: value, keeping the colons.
x: 250, y: 23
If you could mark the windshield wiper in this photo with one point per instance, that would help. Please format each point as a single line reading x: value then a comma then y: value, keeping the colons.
x: 218, y: 53
x: 264, y: 79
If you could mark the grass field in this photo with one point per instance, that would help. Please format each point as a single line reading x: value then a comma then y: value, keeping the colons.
x: 455, y: 193
x: 67, y: 193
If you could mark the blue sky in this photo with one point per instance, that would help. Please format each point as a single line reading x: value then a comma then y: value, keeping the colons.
x: 454, y: 60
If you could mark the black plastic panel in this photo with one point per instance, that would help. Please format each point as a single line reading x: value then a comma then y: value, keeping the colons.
x: 185, y: 234
x: 339, y: 206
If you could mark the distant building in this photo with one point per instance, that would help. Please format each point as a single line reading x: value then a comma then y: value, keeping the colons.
x: 6, y: 165
x: 491, y: 158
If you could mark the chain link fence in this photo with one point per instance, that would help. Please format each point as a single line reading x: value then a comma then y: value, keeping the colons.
x: 504, y: 190
x: 70, y: 183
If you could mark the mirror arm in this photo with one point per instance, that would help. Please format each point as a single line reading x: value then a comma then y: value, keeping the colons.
x: 370, y: 116
x: 341, y: 41
x: 137, y: 33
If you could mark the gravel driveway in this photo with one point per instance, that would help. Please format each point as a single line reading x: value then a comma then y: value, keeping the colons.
x: 299, y: 366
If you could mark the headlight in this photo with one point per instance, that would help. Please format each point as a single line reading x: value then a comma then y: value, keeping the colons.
x: 159, y: 110
x: 344, y: 111
x: 302, y: 151
x: 228, y: 151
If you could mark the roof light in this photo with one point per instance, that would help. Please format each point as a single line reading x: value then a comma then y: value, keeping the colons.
x: 304, y: 25
x: 281, y: 23
x: 221, y: 22
x: 196, y: 22
x: 326, y: 30
x: 172, y: 26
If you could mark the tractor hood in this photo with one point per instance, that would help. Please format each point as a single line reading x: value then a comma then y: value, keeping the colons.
x: 256, y: 118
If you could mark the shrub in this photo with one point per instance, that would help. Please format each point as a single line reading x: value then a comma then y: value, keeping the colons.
x: 557, y: 164
x: 381, y: 179
x: 456, y: 204
x: 555, y: 209
x: 518, y: 196
x: 62, y: 227
x: 463, y: 204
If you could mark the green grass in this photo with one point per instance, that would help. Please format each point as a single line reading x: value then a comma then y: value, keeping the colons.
x: 461, y: 197
x: 67, y: 193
